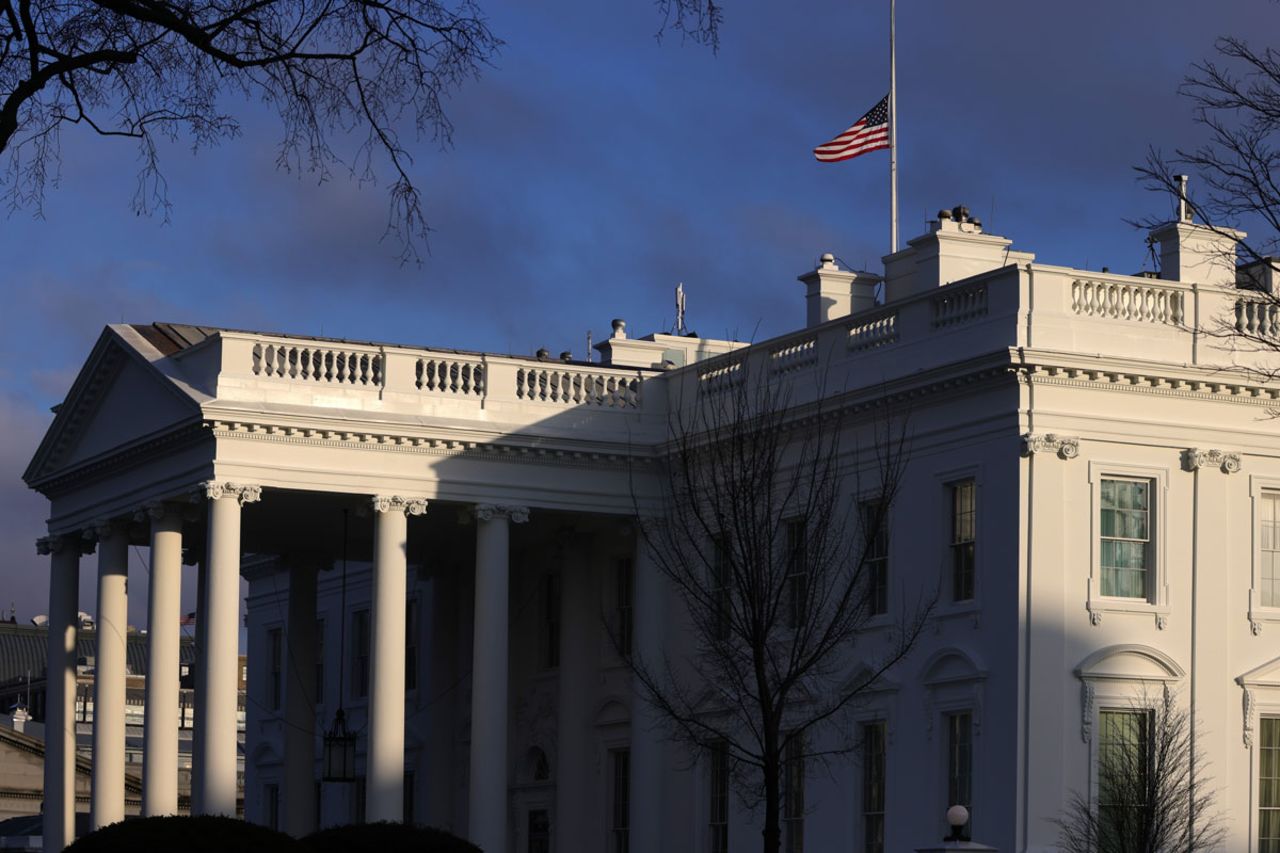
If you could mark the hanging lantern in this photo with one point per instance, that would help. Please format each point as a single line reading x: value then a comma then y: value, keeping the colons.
x: 339, y: 751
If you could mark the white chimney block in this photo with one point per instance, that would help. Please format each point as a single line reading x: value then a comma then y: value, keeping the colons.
x: 831, y: 293
x: 1197, y: 253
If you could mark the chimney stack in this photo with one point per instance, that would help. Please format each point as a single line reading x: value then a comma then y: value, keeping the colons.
x: 832, y: 293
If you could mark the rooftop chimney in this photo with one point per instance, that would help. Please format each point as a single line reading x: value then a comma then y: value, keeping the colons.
x: 832, y: 293
x: 1194, y: 253
x: 955, y: 247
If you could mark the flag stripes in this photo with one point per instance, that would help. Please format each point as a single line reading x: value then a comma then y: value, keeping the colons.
x: 869, y: 133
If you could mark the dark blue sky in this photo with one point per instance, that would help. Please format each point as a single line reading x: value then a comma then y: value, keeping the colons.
x: 594, y: 168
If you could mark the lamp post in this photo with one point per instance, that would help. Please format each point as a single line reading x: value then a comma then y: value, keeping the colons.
x: 957, y: 819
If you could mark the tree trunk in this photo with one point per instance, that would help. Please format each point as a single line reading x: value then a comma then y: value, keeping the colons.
x: 772, y: 799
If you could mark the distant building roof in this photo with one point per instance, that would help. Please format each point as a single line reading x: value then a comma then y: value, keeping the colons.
x: 25, y: 649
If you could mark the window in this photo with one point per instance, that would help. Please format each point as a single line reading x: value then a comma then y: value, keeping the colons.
x: 960, y: 762
x: 275, y: 675
x: 1269, y: 785
x: 793, y: 797
x: 875, y: 529
x: 319, y: 663
x: 797, y: 572
x: 539, y: 831
x: 360, y: 654
x: 408, y: 798
x: 719, y: 805
x: 358, y: 791
x: 1123, y: 750
x: 873, y: 787
x: 1269, y: 573
x: 721, y: 592
x: 623, y: 580
x: 620, y: 801
x: 1126, y: 538
x: 964, y: 534
x: 271, y: 805
x: 411, y: 644
x: 551, y: 621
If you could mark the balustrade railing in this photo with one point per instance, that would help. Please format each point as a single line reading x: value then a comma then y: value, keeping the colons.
x: 574, y: 387
x: 1128, y: 301
x: 450, y: 376
x: 323, y: 365
x: 795, y: 355
x: 870, y: 332
x: 720, y: 377
x: 1257, y: 317
x: 954, y: 305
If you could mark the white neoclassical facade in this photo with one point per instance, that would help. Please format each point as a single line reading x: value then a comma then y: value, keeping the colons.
x: 1093, y: 490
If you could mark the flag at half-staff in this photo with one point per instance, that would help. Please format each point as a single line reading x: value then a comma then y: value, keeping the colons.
x: 869, y: 133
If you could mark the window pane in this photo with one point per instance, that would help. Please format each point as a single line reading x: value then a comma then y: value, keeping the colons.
x: 1269, y: 784
x: 1124, y: 549
x: 960, y: 761
x: 873, y: 787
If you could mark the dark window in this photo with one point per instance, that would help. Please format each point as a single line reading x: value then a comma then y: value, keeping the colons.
x: 875, y: 530
x: 797, y: 572
x: 721, y: 586
x: 551, y: 621
x: 358, y: 804
x: 793, y: 797
x: 319, y: 661
x: 539, y: 831
x: 873, y: 787
x: 271, y: 805
x: 960, y: 762
x: 411, y: 644
x: 360, y: 653
x: 620, y: 805
x: 1123, y: 757
x: 623, y: 583
x: 1269, y: 785
x: 719, y: 810
x: 275, y: 676
x: 964, y: 535
x: 408, y: 797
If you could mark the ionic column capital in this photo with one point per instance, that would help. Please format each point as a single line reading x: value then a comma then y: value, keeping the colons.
x: 55, y: 543
x: 214, y: 490
x: 1229, y: 462
x: 514, y: 514
x: 397, y: 503
x: 104, y: 528
x: 1065, y: 446
x: 158, y: 511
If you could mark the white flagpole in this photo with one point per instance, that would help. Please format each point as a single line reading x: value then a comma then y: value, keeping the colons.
x: 893, y: 130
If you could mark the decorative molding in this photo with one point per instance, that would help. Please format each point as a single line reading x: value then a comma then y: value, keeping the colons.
x: 1255, y: 625
x: 1168, y: 386
x: 1249, y: 706
x: 244, y: 493
x: 1162, y: 621
x: 1095, y: 617
x: 396, y: 503
x: 1066, y: 446
x: 158, y: 511
x: 515, y: 514
x: 1228, y: 461
x: 1086, y: 710
x: 54, y: 543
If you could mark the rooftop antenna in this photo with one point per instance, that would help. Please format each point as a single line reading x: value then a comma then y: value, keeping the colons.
x: 588, y: 346
x: 680, y: 306
x: 1184, y: 213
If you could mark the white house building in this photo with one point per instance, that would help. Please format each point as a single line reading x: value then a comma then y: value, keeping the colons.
x: 1091, y: 449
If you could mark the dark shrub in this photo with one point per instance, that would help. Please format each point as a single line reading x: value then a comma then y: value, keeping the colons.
x: 203, y: 834
x: 385, y: 838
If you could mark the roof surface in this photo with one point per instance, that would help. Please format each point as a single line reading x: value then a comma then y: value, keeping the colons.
x: 25, y: 648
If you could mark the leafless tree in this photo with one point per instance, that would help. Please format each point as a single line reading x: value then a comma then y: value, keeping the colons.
x: 1153, y: 794
x: 777, y: 566
x: 349, y: 70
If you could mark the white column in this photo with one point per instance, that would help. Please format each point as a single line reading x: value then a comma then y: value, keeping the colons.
x: 164, y: 612
x: 60, y: 692
x: 384, y: 768
x: 215, y: 764
x: 300, y: 704
x: 107, y: 800
x: 578, y: 617
x: 488, y: 795
x: 646, y: 740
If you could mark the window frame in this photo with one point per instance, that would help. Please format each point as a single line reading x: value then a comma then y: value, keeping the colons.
x: 718, y: 785
x: 624, y: 592
x: 275, y: 668
x: 956, y: 544
x: 948, y: 717
x: 797, y: 580
x: 618, y: 838
x: 794, y: 770
x: 1259, y: 613
x: 1156, y: 602
x: 864, y: 808
x: 412, y: 648
x: 1256, y: 807
x: 361, y: 641
x: 878, y: 559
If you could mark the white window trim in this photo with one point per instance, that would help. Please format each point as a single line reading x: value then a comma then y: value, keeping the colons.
x: 878, y: 709
x: 864, y: 496
x: 1258, y: 614
x: 1261, y: 699
x: 947, y: 608
x: 1158, y: 605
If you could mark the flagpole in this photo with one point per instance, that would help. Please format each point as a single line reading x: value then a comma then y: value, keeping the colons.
x: 893, y: 129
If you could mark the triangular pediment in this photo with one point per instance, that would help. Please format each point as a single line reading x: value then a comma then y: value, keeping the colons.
x: 1267, y: 675
x: 118, y: 399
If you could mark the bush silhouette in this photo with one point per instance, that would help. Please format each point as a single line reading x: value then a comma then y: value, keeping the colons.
x: 176, y: 834
x: 385, y: 838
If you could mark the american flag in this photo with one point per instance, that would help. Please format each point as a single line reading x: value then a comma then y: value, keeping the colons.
x: 869, y: 133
